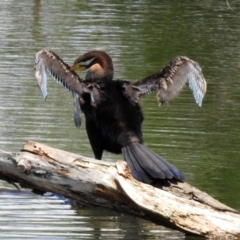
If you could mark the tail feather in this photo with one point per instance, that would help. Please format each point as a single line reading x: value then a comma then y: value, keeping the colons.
x: 145, y: 165
x: 136, y: 169
x: 148, y: 166
x: 175, y: 172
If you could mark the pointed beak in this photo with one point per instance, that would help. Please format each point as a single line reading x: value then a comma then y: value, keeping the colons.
x: 77, y: 67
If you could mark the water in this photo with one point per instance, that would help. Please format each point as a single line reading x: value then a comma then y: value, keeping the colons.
x: 141, y: 37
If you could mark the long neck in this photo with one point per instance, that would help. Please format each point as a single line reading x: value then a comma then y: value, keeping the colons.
x: 101, y: 69
x: 96, y: 73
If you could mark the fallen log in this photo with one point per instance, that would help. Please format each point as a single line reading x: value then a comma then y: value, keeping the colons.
x: 110, y: 185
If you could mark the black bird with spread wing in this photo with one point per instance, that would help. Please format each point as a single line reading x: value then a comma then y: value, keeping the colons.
x: 112, y: 107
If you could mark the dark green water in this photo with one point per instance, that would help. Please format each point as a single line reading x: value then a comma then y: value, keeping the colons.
x: 142, y: 37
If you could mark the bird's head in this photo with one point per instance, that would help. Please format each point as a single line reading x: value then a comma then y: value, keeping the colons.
x: 98, y: 63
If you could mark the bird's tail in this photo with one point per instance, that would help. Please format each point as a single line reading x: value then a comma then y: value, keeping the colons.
x: 146, y: 165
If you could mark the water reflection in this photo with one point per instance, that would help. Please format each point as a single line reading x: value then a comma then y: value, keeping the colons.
x: 27, y: 215
x: 24, y: 215
x: 141, y: 37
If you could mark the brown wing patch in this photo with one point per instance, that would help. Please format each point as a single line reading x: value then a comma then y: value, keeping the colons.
x: 176, y: 74
x: 169, y: 81
x: 131, y: 92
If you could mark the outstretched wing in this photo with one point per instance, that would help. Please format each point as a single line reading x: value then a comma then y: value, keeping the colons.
x: 48, y: 61
x: 169, y: 81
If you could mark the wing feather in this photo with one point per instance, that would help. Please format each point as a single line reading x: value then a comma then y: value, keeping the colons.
x: 48, y: 61
x: 41, y: 77
x: 77, y: 110
x: 169, y: 81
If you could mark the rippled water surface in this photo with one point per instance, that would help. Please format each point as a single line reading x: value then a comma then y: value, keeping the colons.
x: 141, y: 37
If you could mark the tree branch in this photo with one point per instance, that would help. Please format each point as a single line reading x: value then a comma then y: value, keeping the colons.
x: 110, y: 185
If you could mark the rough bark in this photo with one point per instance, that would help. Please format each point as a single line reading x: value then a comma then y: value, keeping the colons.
x: 110, y: 185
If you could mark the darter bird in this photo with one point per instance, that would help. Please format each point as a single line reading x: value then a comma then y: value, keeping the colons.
x: 112, y: 107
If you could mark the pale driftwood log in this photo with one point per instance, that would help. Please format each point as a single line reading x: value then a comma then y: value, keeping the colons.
x: 110, y: 185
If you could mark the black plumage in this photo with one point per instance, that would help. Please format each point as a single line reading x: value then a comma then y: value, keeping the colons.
x: 112, y: 107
